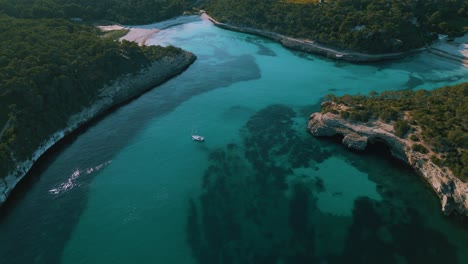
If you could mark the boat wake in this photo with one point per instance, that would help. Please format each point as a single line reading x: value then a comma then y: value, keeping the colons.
x: 70, y: 183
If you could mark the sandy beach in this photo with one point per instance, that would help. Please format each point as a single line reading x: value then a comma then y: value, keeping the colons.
x: 141, y: 33
x: 135, y: 34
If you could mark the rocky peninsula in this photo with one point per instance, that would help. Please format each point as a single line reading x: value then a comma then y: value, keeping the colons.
x: 451, y: 190
x: 118, y: 92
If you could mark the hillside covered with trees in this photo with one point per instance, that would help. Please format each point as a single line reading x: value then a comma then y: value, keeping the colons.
x: 125, y: 12
x: 52, y: 67
x: 436, y: 119
x: 372, y: 26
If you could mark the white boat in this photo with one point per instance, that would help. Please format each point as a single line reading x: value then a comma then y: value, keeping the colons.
x: 198, y: 138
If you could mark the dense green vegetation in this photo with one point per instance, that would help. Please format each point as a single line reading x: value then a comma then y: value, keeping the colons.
x: 129, y: 12
x: 439, y: 118
x: 373, y: 26
x: 51, y: 69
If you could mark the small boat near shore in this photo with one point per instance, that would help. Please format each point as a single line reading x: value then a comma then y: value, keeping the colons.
x: 198, y: 138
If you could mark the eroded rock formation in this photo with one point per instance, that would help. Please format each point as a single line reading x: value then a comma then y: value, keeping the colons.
x: 451, y: 190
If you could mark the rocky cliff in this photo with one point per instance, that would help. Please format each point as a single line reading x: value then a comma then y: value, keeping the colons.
x: 118, y: 92
x: 451, y: 190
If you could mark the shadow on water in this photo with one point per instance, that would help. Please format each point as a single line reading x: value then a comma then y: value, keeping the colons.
x: 381, y: 233
x: 303, y: 55
x: 243, y: 184
x: 395, y: 229
x: 40, y: 229
x: 413, y: 82
x: 262, y: 49
x: 253, y: 208
x: 35, y: 223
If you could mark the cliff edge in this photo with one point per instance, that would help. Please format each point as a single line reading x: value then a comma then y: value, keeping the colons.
x: 451, y: 190
x: 118, y: 92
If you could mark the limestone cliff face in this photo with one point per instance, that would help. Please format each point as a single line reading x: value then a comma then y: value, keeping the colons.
x: 451, y: 191
x: 119, y: 91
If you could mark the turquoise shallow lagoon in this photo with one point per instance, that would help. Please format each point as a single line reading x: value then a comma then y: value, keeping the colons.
x: 134, y: 188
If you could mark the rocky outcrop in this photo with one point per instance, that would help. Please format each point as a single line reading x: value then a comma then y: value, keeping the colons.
x: 118, y: 92
x: 310, y: 46
x: 451, y: 190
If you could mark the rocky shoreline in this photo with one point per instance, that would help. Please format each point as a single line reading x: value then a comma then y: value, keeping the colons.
x: 312, y: 47
x: 451, y: 191
x: 117, y: 93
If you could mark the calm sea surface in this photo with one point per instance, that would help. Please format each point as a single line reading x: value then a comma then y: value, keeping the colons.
x: 134, y: 187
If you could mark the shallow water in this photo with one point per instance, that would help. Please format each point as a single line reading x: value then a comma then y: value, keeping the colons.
x: 134, y: 188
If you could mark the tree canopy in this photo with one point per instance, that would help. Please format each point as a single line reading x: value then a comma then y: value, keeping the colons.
x: 373, y: 26
x: 50, y: 68
x: 127, y: 12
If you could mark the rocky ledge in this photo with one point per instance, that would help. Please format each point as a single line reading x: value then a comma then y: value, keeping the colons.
x: 451, y: 190
x: 311, y: 46
x: 118, y: 92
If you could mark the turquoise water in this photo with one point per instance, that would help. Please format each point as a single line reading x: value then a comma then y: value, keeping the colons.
x: 134, y: 188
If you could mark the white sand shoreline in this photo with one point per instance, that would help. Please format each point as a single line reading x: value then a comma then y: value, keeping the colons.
x: 142, y: 33
x: 135, y: 34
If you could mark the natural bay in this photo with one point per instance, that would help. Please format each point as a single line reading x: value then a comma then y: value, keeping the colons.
x: 120, y: 191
